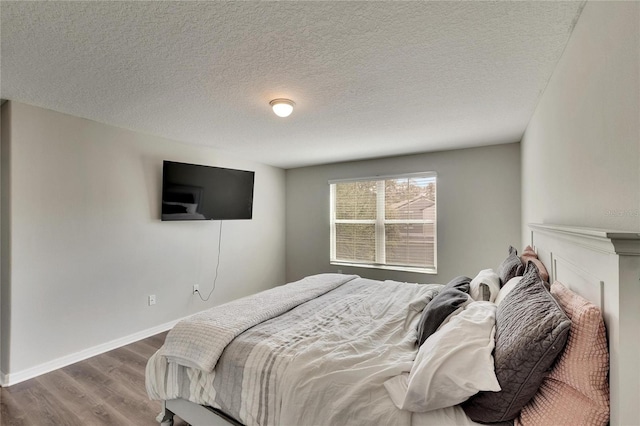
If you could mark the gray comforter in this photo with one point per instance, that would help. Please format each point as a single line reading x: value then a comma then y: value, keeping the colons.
x: 323, y: 362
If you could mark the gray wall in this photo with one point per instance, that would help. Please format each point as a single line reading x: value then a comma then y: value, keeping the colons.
x: 478, y: 210
x: 4, y: 245
x: 87, y: 246
x: 581, y: 149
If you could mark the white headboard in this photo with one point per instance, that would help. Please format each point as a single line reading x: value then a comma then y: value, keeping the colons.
x: 604, y: 267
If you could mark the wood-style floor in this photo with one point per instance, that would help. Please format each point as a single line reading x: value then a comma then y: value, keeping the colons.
x: 107, y: 389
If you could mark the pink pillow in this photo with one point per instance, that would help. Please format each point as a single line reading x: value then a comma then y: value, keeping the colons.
x: 529, y: 254
x: 576, y: 392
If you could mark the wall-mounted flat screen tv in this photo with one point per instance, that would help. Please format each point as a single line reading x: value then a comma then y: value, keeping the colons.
x: 195, y: 192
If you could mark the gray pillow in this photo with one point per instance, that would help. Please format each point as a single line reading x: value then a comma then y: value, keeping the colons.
x: 461, y: 283
x: 485, y: 292
x: 531, y: 330
x: 510, y: 267
x: 450, y: 298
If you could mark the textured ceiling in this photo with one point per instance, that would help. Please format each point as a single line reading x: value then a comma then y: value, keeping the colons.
x: 370, y: 79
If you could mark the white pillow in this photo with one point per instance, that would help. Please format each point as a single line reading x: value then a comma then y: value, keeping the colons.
x: 488, y: 277
x: 506, y: 289
x: 453, y: 364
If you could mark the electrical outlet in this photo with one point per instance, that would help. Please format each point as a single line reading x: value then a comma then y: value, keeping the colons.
x: 339, y: 271
x: 152, y: 299
x: 196, y: 288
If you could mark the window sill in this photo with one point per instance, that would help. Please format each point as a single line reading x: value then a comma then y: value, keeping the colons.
x: 432, y: 271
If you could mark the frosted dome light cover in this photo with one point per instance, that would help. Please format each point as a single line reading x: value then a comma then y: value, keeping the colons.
x: 282, y: 107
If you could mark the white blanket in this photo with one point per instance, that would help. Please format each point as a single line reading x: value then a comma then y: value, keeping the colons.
x: 198, y: 341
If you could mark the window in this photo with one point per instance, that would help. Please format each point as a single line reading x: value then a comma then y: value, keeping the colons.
x: 385, y: 222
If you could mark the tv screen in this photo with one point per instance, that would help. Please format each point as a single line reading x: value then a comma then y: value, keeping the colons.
x: 195, y: 192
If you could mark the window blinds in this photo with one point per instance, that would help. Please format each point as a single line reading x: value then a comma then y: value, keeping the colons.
x: 387, y: 221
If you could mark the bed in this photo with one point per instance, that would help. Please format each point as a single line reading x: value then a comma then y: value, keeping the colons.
x: 376, y: 342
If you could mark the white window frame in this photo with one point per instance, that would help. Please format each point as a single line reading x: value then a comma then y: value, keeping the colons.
x: 380, y: 222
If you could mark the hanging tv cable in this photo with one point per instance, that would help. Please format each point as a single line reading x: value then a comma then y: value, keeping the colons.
x: 215, y: 278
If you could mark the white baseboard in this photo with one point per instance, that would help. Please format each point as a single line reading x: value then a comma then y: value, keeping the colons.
x: 20, y: 376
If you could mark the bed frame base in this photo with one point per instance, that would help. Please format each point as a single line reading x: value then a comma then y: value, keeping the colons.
x: 193, y: 414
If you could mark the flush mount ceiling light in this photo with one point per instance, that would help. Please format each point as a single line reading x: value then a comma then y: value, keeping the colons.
x: 282, y: 107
